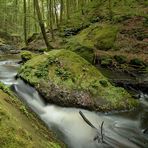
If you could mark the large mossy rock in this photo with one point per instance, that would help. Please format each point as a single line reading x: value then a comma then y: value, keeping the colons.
x: 66, y: 79
x: 100, y: 36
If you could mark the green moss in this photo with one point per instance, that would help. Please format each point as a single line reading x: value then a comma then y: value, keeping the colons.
x: 103, y: 83
x: 105, y: 61
x: 16, y: 126
x: 102, y: 37
x: 120, y: 59
x: 42, y: 50
x: 137, y: 62
x: 68, y: 70
x: 106, y: 37
x: 98, y: 11
x: 5, y: 89
x: 84, y: 51
x: 26, y: 55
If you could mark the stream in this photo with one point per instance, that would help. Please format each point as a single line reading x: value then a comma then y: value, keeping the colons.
x: 120, y: 129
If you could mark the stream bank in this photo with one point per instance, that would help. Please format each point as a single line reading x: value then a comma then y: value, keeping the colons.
x: 19, y: 127
x: 121, y: 129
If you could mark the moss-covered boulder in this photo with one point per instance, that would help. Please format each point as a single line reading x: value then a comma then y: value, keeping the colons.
x: 66, y: 79
x: 100, y: 36
x: 26, y: 55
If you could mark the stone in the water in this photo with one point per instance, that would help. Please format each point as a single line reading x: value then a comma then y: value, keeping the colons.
x: 62, y: 77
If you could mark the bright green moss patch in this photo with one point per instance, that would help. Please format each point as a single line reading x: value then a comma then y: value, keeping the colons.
x: 69, y: 71
x: 5, y: 89
x: 26, y: 55
x: 100, y: 36
x: 20, y: 129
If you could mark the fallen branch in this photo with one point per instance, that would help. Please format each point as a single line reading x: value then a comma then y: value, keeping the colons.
x: 86, y: 120
x: 100, y: 135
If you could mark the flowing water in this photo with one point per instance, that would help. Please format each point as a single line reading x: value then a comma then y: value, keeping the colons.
x: 120, y: 130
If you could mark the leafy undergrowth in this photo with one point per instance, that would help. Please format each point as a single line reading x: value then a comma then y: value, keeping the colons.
x: 67, y: 70
x: 20, y: 128
x: 98, y: 11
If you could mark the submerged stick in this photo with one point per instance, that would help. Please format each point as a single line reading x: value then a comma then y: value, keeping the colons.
x: 102, y: 131
x: 86, y: 120
x: 100, y: 135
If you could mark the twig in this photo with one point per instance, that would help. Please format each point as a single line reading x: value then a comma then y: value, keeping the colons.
x: 86, y: 120
x: 102, y: 131
x: 99, y: 136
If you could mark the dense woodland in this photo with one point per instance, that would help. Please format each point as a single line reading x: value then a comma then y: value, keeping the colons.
x: 18, y: 16
x: 74, y: 70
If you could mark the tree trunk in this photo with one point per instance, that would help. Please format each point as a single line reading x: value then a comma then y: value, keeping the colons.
x: 25, y: 23
x: 42, y: 26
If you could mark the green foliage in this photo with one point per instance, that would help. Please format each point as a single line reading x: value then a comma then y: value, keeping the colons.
x: 120, y: 59
x: 26, y: 55
x: 24, y: 110
x: 85, y: 52
x: 42, y: 50
x: 5, y: 89
x: 137, y: 62
x: 105, y: 61
x: 63, y: 73
x: 103, y: 83
x: 106, y: 37
x: 69, y: 71
x: 42, y: 71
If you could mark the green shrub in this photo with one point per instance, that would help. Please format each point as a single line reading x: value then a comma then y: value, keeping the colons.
x: 5, y: 89
x: 63, y: 73
x: 106, y: 61
x: 137, y: 62
x: 120, y: 59
x: 26, y: 55
x: 103, y: 83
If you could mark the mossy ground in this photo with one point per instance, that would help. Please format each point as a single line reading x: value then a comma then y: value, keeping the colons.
x: 98, y: 11
x: 125, y: 33
x: 68, y: 70
x: 100, y: 36
x: 20, y: 129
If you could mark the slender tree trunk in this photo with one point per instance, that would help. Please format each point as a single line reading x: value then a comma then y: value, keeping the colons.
x: 61, y: 10
x: 56, y: 15
x: 34, y: 12
x: 25, y: 23
x: 110, y: 10
x: 67, y: 9
x: 16, y: 14
x: 42, y: 26
x: 51, y: 18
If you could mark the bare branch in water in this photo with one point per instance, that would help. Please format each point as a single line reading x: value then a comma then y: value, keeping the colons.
x: 102, y: 131
x: 100, y: 135
x: 86, y: 120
